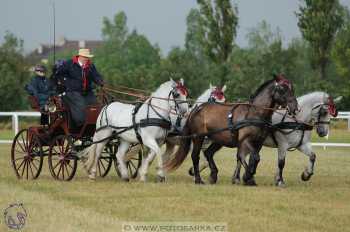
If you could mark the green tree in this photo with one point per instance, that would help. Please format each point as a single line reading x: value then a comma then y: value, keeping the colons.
x: 126, y: 58
x: 341, y: 48
x: 218, y: 25
x: 319, y: 21
x: 193, y: 40
x: 14, y: 74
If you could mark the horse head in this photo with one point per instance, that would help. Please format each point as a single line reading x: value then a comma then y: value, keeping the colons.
x: 283, y: 94
x: 217, y: 94
x: 179, y: 95
x: 322, y: 114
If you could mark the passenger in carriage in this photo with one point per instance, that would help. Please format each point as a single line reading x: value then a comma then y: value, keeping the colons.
x: 40, y: 87
x: 78, y: 75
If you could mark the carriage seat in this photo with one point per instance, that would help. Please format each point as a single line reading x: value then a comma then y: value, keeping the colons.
x: 92, y: 112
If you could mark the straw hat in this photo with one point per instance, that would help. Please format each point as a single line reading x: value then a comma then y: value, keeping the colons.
x: 85, y: 52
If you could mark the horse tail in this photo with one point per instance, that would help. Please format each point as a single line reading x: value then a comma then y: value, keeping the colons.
x: 182, y: 151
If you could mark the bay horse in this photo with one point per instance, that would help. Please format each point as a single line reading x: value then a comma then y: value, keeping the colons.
x: 213, y: 94
x: 242, y: 125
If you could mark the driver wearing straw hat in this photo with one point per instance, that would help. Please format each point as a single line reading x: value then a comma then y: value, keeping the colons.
x: 79, y: 74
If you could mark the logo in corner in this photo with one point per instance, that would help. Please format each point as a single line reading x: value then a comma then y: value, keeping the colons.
x: 15, y: 216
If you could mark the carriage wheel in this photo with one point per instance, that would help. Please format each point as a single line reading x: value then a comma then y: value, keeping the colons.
x: 62, y: 159
x: 133, y: 164
x: 106, y: 159
x: 26, y: 155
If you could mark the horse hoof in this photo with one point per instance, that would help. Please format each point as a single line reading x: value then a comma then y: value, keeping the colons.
x: 280, y: 184
x: 305, y: 176
x: 92, y: 176
x: 190, y: 172
x: 199, y: 182
x: 250, y: 182
x: 160, y: 179
x: 236, y: 181
x: 213, y: 180
x: 126, y: 179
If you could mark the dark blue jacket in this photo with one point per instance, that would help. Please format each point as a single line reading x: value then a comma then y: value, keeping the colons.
x: 72, y: 74
x: 40, y: 87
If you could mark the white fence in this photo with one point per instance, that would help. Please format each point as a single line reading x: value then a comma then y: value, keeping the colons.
x: 15, y: 125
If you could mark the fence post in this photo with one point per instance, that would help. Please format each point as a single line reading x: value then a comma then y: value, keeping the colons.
x: 348, y: 124
x: 15, y: 123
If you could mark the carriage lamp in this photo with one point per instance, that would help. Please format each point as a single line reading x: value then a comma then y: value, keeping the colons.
x: 52, y: 107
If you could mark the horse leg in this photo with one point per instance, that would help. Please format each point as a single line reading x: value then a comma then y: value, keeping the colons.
x: 236, y: 178
x: 154, y: 149
x: 309, y: 171
x: 280, y: 166
x: 209, y: 154
x: 197, y: 145
x: 202, y: 165
x: 243, y: 150
x: 160, y: 171
x: 98, y: 151
x: 122, y: 149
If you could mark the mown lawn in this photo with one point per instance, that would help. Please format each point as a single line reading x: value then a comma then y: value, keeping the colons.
x: 323, y: 204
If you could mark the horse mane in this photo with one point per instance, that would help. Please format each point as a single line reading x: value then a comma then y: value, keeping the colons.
x: 263, y: 86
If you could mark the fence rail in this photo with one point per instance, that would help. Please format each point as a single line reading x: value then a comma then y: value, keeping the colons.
x: 345, y: 115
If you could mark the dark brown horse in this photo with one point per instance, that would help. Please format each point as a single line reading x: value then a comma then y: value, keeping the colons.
x: 244, y: 126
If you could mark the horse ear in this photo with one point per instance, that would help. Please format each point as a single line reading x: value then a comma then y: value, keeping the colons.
x: 338, y: 99
x: 223, y: 88
x: 182, y: 81
x: 211, y: 86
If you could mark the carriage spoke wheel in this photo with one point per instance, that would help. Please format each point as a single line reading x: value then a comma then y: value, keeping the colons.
x: 106, y: 159
x: 133, y: 164
x: 62, y: 158
x: 26, y: 155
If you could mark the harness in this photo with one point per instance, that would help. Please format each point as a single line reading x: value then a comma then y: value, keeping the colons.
x: 161, y: 122
x: 294, y: 126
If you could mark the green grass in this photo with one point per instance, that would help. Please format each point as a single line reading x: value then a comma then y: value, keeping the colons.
x: 102, y: 205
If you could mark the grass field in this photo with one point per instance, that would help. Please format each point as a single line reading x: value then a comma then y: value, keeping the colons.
x: 323, y: 204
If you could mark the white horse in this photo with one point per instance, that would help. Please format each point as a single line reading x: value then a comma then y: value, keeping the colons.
x: 213, y: 94
x: 315, y: 109
x: 147, y: 123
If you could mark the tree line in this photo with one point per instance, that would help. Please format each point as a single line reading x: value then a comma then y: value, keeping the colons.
x: 320, y: 60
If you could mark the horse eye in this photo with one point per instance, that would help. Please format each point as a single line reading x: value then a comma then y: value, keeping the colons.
x: 176, y: 94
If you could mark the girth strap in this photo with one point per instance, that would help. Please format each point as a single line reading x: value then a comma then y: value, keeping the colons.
x: 136, y: 125
x: 159, y: 122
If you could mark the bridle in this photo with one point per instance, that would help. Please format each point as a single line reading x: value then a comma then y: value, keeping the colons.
x: 319, y: 121
x: 174, y: 93
x: 216, y: 94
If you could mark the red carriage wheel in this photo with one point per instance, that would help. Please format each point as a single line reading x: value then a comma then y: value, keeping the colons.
x: 106, y: 159
x: 26, y: 155
x: 133, y: 164
x: 62, y: 158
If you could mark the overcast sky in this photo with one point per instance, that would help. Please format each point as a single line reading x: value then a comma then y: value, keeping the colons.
x: 162, y: 21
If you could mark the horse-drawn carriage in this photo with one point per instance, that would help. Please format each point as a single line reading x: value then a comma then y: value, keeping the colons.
x: 60, y: 141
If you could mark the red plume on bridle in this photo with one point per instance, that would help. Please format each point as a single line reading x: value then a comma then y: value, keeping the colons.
x: 218, y: 93
x: 332, y: 108
x: 282, y: 80
x: 182, y: 88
